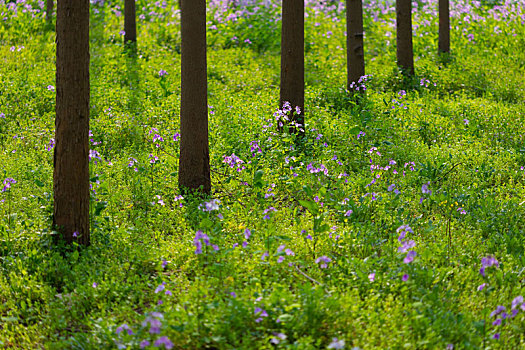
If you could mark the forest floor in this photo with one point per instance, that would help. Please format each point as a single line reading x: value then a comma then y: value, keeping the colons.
x: 397, y: 222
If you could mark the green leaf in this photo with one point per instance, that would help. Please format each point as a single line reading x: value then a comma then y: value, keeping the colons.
x: 311, y: 206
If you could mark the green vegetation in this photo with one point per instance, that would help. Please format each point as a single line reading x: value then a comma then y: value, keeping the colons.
x: 304, y: 240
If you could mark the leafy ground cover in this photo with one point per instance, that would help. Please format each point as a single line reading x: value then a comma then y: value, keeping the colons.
x: 398, y: 222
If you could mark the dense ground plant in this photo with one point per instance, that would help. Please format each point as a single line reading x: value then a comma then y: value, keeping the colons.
x: 396, y: 222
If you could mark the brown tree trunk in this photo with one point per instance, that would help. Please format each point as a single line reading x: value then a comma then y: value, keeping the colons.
x: 292, y: 58
x: 71, y: 172
x: 405, y: 53
x: 49, y: 10
x: 194, y: 162
x: 444, y: 27
x: 130, y: 26
x: 354, y: 42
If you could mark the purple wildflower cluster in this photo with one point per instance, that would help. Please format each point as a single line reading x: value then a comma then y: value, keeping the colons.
x: 255, y: 148
x: 317, y: 170
x: 234, y: 162
x: 201, y: 237
x: 282, y: 115
x: 406, y: 245
x: 426, y: 83
x: 487, y: 262
x: 210, y: 205
x: 501, y: 316
x: 360, y: 85
x: 323, y: 261
x: 7, y: 184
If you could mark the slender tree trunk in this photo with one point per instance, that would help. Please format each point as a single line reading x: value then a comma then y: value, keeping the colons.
x: 71, y: 172
x: 354, y: 42
x: 49, y: 10
x: 130, y: 26
x: 194, y: 162
x: 292, y: 58
x: 405, y: 53
x: 444, y: 27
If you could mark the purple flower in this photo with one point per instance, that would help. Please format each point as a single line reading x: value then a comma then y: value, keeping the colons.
x: 372, y: 277
x: 247, y: 234
x: 162, y: 73
x: 481, y: 287
x: 164, y: 263
x: 495, y: 336
x: 122, y: 328
x: 210, y: 206
x: 234, y: 162
x: 264, y: 255
x: 336, y: 344
x: 517, y: 302
x: 280, y: 259
x: 410, y: 257
x: 51, y: 88
x: 199, y: 235
x: 391, y: 187
x: 406, y: 246
x: 7, y: 183
x: 405, y: 277
x: 160, y: 287
x: 164, y: 341
x: 144, y: 343
x: 487, y: 262
x: 260, y: 312
x: 425, y: 188
x: 324, y: 260
x: 349, y: 212
x: 94, y: 285
x: 499, y: 309
x: 278, y: 337
x: 154, y: 323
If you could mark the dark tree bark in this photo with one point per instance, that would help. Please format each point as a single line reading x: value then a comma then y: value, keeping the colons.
x: 130, y: 26
x: 71, y: 172
x: 292, y: 58
x: 444, y: 27
x: 49, y: 10
x: 405, y: 53
x: 194, y: 162
x: 354, y: 41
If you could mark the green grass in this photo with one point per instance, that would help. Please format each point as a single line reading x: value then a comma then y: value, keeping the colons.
x: 459, y: 128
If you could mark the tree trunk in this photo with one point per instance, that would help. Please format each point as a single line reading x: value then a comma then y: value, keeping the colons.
x: 194, y: 162
x: 444, y: 27
x: 354, y: 42
x: 130, y: 26
x: 405, y: 53
x: 49, y: 10
x: 71, y: 172
x: 292, y: 59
